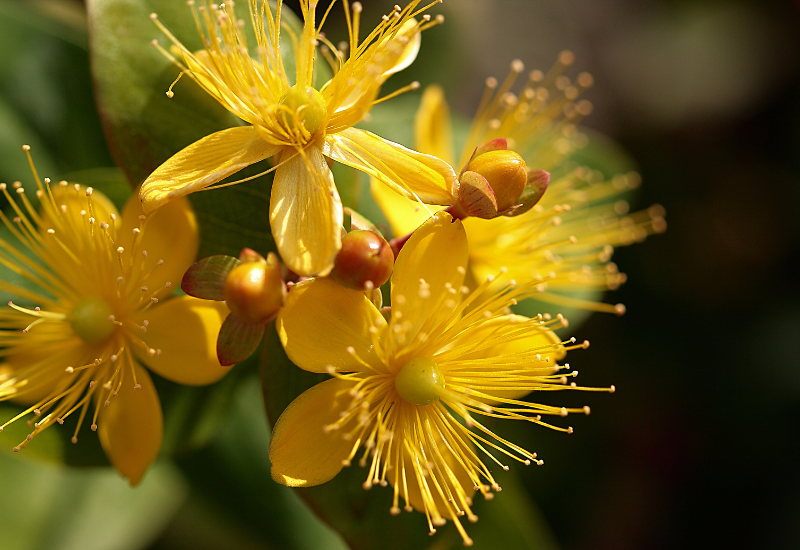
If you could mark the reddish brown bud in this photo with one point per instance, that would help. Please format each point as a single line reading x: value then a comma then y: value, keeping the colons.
x: 364, y: 262
x: 254, y: 291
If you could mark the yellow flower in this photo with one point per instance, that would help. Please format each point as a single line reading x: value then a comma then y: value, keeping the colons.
x: 298, y: 124
x: 101, y: 313
x: 410, y: 392
x: 566, y: 241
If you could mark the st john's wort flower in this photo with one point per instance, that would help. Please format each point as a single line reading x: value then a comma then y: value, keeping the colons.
x: 409, y: 394
x: 298, y: 122
x: 566, y: 241
x: 95, y: 312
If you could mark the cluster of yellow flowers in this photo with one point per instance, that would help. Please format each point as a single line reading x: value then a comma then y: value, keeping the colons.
x: 410, y: 382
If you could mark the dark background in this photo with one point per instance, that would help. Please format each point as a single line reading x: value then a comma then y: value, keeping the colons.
x: 699, y: 445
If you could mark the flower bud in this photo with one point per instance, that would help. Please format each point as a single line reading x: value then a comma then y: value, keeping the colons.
x: 364, y: 262
x: 506, y: 173
x: 254, y: 291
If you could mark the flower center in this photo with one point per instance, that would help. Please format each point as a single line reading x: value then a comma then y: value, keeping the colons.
x: 304, y: 105
x: 420, y: 381
x: 90, y: 320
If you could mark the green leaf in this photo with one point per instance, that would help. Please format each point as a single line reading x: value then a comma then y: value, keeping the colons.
x: 194, y: 415
x: 60, y: 121
x: 91, y: 509
x: 240, y: 496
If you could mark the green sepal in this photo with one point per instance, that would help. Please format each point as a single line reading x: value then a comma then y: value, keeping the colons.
x: 206, y: 278
x: 237, y: 340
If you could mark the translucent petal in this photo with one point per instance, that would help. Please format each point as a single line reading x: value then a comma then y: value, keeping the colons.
x: 321, y: 319
x: 404, y: 215
x: 131, y: 427
x: 433, y: 134
x: 170, y: 234
x: 435, y: 256
x: 204, y: 163
x: 302, y: 454
x: 410, y: 50
x: 185, y: 330
x: 306, y: 213
x: 417, y: 176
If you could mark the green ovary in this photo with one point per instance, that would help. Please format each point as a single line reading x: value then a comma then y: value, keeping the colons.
x: 90, y: 320
x: 306, y: 104
x: 420, y: 381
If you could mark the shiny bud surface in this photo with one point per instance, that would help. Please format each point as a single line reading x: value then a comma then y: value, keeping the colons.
x: 364, y: 262
x: 254, y: 292
x: 506, y: 173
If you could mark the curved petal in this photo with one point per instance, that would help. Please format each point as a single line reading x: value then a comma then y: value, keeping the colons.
x: 169, y: 234
x: 417, y: 176
x: 75, y: 200
x: 301, y: 453
x: 514, y: 347
x: 321, y: 319
x: 410, y: 50
x: 404, y: 215
x: 437, y: 254
x: 185, y: 329
x: 433, y: 134
x: 204, y: 163
x: 131, y: 427
x: 42, y: 363
x: 305, y: 213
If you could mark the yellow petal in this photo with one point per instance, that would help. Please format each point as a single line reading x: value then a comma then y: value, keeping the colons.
x: 437, y: 254
x: 433, y: 134
x: 185, y: 329
x: 170, y: 234
x: 417, y: 176
x: 102, y: 207
x: 301, y: 453
x: 50, y: 350
x: 321, y: 319
x: 131, y: 427
x: 76, y: 202
x: 204, y: 163
x: 410, y: 50
x: 404, y: 215
x: 305, y: 213
x: 518, y: 344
